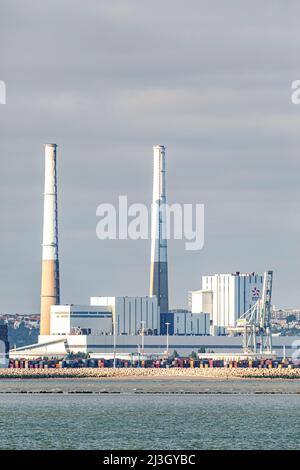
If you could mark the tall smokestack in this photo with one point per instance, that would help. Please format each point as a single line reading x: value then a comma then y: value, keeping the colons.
x: 159, y: 256
x: 50, y: 294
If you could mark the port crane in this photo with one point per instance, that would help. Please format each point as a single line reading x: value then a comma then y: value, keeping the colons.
x: 255, y: 324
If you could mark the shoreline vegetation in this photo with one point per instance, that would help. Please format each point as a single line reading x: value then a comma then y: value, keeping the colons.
x: 140, y: 373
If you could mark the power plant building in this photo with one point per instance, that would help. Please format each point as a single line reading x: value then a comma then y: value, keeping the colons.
x: 124, y: 323
x: 132, y: 314
x: 188, y: 323
x: 226, y: 297
x: 80, y: 320
x: 53, y: 346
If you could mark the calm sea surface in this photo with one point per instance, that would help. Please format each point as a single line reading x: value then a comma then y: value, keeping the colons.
x: 128, y: 421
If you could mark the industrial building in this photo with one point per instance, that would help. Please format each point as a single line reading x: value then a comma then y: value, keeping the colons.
x: 80, y: 320
x: 128, y: 315
x: 124, y: 324
x: 55, y: 346
x: 132, y: 314
x: 226, y: 297
x: 188, y: 323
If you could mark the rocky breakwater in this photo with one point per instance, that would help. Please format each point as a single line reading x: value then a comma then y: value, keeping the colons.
x: 98, y: 373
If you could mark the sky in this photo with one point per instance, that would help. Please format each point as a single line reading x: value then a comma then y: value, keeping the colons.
x: 107, y: 80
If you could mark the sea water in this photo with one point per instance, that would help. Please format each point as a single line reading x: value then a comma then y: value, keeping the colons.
x: 149, y: 421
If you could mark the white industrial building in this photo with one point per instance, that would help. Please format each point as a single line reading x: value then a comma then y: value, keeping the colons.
x: 201, y: 301
x: 226, y: 297
x: 128, y: 314
x: 132, y: 314
x: 80, y: 320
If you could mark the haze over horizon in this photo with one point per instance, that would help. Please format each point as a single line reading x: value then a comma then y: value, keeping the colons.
x: 209, y: 80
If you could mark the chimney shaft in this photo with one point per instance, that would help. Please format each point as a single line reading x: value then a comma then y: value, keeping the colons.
x: 50, y: 291
x: 159, y: 257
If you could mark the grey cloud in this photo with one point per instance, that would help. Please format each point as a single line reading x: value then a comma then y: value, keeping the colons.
x: 107, y: 80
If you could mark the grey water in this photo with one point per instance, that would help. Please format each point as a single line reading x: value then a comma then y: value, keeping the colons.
x: 128, y: 421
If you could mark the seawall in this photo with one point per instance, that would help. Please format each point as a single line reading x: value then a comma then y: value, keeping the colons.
x: 98, y: 373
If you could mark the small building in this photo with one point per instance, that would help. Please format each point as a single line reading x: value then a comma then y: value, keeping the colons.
x: 188, y: 323
x: 80, y: 320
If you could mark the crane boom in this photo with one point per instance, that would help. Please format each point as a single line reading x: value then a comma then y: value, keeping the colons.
x: 265, y: 313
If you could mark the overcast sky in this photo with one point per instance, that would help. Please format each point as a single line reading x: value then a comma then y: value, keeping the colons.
x: 106, y: 80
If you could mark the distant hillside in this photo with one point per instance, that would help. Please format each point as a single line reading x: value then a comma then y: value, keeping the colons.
x: 22, y: 335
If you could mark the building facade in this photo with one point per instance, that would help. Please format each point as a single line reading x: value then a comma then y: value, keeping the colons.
x: 56, y: 345
x: 226, y: 297
x: 132, y: 314
x: 201, y: 301
x: 80, y: 320
x: 188, y: 323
